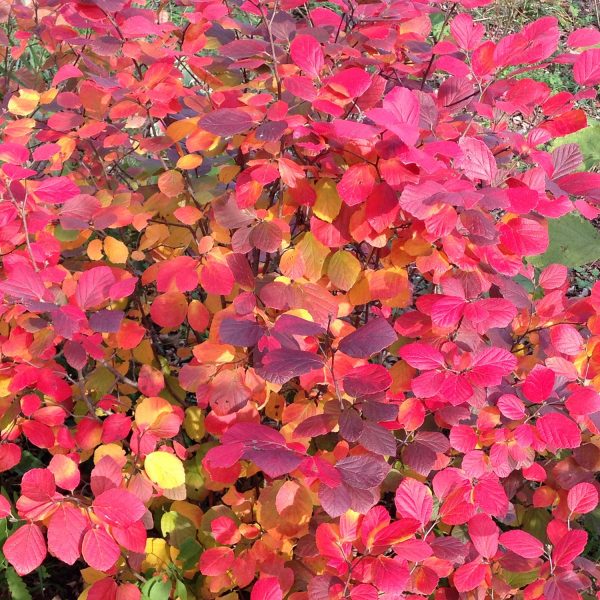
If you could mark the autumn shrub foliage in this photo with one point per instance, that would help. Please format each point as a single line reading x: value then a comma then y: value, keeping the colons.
x: 271, y: 326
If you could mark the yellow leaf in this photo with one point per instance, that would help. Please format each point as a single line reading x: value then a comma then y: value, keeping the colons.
x: 328, y: 203
x: 313, y: 253
x: 115, y: 250
x: 113, y: 450
x: 190, y: 161
x: 157, y: 554
x: 194, y: 423
x: 94, y: 250
x: 164, y: 469
x: 343, y: 269
x: 25, y: 103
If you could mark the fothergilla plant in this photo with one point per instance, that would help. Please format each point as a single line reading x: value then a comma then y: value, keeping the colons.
x: 274, y: 321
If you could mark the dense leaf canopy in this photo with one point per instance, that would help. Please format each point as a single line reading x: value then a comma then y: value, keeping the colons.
x: 272, y: 321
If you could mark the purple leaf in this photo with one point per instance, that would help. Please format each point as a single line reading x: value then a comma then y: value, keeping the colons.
x: 106, y: 321
x: 377, y: 439
x: 226, y: 121
x: 373, y: 337
x: 264, y: 446
x: 240, y: 332
x: 279, y: 366
x: 362, y: 472
x: 366, y: 380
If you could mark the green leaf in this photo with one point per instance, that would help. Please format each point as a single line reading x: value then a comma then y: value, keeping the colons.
x: 16, y: 586
x: 573, y: 242
x: 189, y: 554
x: 177, y: 527
x: 157, y: 588
x: 180, y: 590
x: 589, y: 143
x: 520, y: 579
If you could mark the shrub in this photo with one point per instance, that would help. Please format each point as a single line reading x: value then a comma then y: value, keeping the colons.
x: 269, y: 320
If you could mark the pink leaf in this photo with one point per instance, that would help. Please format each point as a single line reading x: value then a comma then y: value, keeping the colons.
x: 558, y: 432
x: 586, y: 70
x: 582, y: 498
x: 55, y: 190
x: 25, y: 549
x: 414, y: 499
x: 267, y: 588
x: 484, y: 535
x: 118, y: 507
x: 65, y: 533
x: 477, y: 161
x: 400, y: 114
x: 422, y: 356
x: 99, y: 549
x: 470, y: 576
x: 66, y: 72
x: 566, y: 339
x: 92, y: 287
x: 490, y: 365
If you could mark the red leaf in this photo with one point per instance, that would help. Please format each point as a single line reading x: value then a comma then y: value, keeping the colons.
x: 581, y: 184
x: 368, y: 379
x: 216, y: 561
x: 522, y: 543
x: 356, y: 184
x: 25, y: 549
x: 307, y: 53
x: 571, y: 545
x: 103, y: 589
